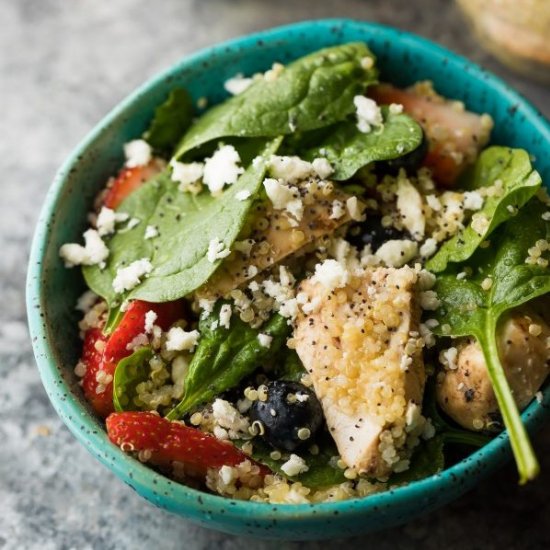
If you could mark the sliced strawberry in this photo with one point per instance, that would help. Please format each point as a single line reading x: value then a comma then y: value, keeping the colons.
x: 168, y: 441
x: 455, y: 136
x: 128, y: 180
x: 133, y: 324
x: 97, y: 386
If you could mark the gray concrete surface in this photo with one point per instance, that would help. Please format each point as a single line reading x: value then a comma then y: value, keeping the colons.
x: 62, y: 66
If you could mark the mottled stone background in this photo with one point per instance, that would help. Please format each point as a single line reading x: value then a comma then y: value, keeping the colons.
x: 63, y: 65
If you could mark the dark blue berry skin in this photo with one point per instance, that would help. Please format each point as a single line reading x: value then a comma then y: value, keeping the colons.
x: 281, y: 429
x: 371, y: 232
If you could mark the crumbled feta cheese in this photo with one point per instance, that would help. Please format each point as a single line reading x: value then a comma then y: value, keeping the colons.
x: 206, y: 305
x: 433, y: 202
x: 137, y: 342
x: 133, y: 222
x: 225, y: 316
x: 426, y: 279
x: 265, y: 340
x: 86, y: 301
x: 337, y: 210
x: 284, y: 198
x: 396, y: 108
x: 178, y: 339
x: 222, y: 168
x: 242, y: 195
x: 238, y: 84
x: 409, y: 205
x: 480, y: 223
x: 429, y: 300
x: 322, y: 167
x: 539, y: 397
x: 151, y: 232
x: 473, y: 200
x: 94, y: 251
x: 150, y: 318
x: 289, y: 169
x: 272, y: 74
x: 217, y: 250
x: 396, y: 253
x: 294, y: 466
x: 138, y: 153
x: 107, y: 219
x: 130, y: 276
x: 368, y: 113
x: 428, y: 248
x: 355, y: 209
x: 448, y: 358
x: 228, y: 417
x: 187, y: 174
x: 331, y: 274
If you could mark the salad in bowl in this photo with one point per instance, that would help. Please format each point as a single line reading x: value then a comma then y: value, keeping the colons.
x: 312, y: 290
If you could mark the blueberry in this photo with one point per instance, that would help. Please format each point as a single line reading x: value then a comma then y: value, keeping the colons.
x: 372, y: 232
x: 290, y: 416
x: 410, y: 162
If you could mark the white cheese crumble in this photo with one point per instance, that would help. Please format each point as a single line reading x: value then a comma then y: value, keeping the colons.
x: 178, y: 339
x: 429, y: 300
x: 272, y: 74
x: 355, y: 209
x: 368, y: 113
x: 480, y: 223
x: 150, y: 318
x: 409, y: 204
x: 289, y: 169
x: 294, y: 466
x: 107, y: 219
x: 284, y: 197
x: 473, y: 200
x: 337, y: 210
x: 222, y: 168
x: 243, y: 195
x: 217, y: 250
x: 94, y: 251
x: 151, y: 232
x: 396, y: 108
x: 238, y: 84
x: 187, y: 174
x: 322, y: 167
x: 229, y: 418
x: 331, y: 274
x: 138, y: 153
x: 130, y: 276
x: 396, y: 253
x: 448, y: 358
x: 86, y: 301
x: 225, y: 316
x: 428, y: 248
x: 265, y: 340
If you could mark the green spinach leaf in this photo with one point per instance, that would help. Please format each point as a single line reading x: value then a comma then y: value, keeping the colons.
x: 130, y: 372
x: 171, y: 120
x: 290, y: 367
x: 321, y: 472
x: 315, y: 91
x: 225, y: 356
x: 186, y: 224
x: 469, y: 310
x: 520, y: 182
x: 347, y: 149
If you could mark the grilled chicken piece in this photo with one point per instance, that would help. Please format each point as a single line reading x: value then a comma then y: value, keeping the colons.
x: 275, y: 237
x: 363, y: 353
x: 465, y: 393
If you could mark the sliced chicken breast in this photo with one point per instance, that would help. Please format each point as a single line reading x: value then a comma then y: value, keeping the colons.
x: 361, y: 347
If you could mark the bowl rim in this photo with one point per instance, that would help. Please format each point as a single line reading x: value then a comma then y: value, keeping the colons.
x: 172, y: 495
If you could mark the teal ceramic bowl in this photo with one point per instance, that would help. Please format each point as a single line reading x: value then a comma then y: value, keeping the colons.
x: 52, y: 290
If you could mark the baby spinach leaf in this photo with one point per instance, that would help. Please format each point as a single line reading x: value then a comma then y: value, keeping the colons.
x: 186, y: 224
x: 291, y: 367
x: 315, y: 91
x: 225, y: 356
x: 469, y: 310
x: 347, y: 149
x: 520, y: 182
x: 171, y: 120
x: 321, y: 472
x: 130, y: 372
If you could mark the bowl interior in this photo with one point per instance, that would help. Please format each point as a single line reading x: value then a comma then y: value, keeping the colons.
x: 53, y: 290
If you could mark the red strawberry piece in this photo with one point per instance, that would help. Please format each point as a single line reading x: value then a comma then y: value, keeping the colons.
x: 128, y: 180
x: 166, y: 441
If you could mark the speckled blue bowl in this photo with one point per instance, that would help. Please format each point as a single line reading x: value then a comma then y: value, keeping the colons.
x: 52, y: 290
